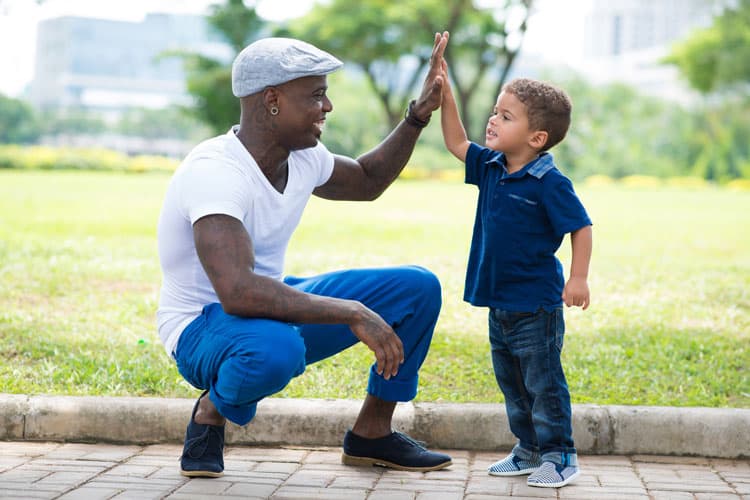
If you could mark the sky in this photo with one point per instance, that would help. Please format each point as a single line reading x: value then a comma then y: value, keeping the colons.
x: 555, y: 30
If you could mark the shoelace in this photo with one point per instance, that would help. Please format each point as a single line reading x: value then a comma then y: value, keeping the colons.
x: 419, y: 444
x: 200, y: 442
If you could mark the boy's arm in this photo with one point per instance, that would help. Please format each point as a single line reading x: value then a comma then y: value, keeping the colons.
x: 454, y: 133
x: 576, y: 291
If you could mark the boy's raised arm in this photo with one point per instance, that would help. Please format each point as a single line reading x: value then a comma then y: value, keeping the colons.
x: 454, y: 133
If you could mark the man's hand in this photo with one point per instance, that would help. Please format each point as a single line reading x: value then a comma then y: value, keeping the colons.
x: 380, y: 338
x: 576, y: 293
x: 431, y: 97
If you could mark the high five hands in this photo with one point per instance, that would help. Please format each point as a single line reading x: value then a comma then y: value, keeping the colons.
x: 432, y: 90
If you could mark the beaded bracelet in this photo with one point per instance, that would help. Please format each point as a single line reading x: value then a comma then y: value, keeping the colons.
x: 411, y: 118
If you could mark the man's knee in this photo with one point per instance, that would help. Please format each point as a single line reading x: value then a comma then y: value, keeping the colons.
x: 282, y: 362
x: 423, y: 283
x: 248, y: 377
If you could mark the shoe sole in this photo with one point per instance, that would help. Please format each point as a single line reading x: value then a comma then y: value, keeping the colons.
x: 377, y: 462
x: 521, y: 472
x: 556, y: 485
x: 200, y: 473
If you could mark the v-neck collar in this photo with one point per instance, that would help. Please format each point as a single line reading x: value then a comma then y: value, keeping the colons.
x: 248, y: 159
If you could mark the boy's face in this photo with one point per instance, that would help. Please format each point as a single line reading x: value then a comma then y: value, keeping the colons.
x: 508, y: 126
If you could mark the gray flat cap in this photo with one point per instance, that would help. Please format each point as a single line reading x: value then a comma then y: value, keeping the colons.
x: 273, y: 61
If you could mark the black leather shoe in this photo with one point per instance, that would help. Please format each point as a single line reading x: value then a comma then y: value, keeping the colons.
x: 396, y: 451
x: 203, y: 453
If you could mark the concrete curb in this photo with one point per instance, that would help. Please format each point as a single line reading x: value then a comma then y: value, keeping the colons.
x: 622, y: 430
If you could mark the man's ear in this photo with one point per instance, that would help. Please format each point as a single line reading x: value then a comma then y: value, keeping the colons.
x: 538, y: 139
x: 270, y: 98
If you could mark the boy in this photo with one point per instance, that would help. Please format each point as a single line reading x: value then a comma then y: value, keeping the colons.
x: 524, y: 209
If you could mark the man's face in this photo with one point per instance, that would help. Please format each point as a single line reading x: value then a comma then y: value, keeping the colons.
x: 303, y: 105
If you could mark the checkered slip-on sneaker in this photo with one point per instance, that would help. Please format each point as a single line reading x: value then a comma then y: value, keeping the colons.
x: 513, y: 465
x: 552, y: 475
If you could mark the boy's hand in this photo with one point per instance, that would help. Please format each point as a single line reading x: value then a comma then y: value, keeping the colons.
x: 446, y: 80
x: 576, y: 293
x: 432, y: 89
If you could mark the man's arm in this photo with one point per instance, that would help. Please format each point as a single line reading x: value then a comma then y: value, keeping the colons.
x: 226, y: 253
x: 369, y: 175
x: 576, y: 291
x: 454, y: 133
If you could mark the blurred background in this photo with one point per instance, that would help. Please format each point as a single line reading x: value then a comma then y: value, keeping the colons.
x: 660, y: 87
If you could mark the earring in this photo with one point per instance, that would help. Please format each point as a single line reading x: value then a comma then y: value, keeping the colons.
x: 274, y: 110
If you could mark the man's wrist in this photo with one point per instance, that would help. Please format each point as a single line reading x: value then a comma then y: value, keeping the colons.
x: 413, y: 119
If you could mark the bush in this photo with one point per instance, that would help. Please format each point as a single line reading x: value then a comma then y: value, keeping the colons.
x: 687, y: 182
x: 641, y: 181
x: 739, y: 185
x: 599, y: 180
x: 50, y: 158
x: 151, y: 163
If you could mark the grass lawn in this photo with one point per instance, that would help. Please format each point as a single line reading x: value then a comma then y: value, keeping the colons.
x: 670, y: 281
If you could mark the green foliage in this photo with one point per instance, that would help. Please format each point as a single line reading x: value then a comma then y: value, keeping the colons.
x: 18, y: 123
x: 669, y: 322
x: 375, y: 36
x: 391, y: 42
x: 717, y: 56
x: 617, y: 131
x: 697, y: 59
x: 48, y: 158
x: 236, y: 22
x: 72, y: 121
x: 718, y: 139
x: 210, y: 84
x: 355, y: 125
x: 209, y: 81
x: 172, y: 122
x: 484, y: 45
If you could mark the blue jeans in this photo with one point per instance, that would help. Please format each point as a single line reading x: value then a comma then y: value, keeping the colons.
x: 243, y: 360
x: 526, y: 350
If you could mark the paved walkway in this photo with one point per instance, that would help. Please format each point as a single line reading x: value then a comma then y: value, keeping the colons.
x: 104, y: 471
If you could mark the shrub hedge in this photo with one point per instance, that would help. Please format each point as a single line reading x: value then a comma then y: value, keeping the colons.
x: 51, y: 158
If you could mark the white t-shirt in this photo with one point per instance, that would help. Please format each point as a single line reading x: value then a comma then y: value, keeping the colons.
x: 220, y: 176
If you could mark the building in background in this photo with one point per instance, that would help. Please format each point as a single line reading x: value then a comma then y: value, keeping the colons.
x: 111, y: 65
x: 625, y: 40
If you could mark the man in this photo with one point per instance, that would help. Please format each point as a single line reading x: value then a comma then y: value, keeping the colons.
x: 235, y: 328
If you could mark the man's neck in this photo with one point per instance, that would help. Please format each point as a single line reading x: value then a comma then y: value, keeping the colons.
x: 271, y: 158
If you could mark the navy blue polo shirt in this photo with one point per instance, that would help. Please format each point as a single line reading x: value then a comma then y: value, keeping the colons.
x: 520, y: 223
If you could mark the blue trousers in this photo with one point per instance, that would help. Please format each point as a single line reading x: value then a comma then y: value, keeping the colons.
x: 526, y: 350
x: 243, y: 360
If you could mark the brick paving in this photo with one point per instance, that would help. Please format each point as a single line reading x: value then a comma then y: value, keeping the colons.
x: 73, y: 471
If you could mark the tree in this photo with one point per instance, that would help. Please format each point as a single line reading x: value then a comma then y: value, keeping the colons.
x: 171, y: 123
x: 72, y: 121
x: 209, y: 80
x: 18, y: 123
x: 391, y: 43
x: 486, y: 45
x: 717, y: 56
x: 618, y: 131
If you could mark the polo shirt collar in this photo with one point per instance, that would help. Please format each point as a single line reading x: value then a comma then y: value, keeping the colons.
x: 536, y: 167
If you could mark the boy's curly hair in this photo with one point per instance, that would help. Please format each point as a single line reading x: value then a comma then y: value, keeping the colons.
x: 547, y: 106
